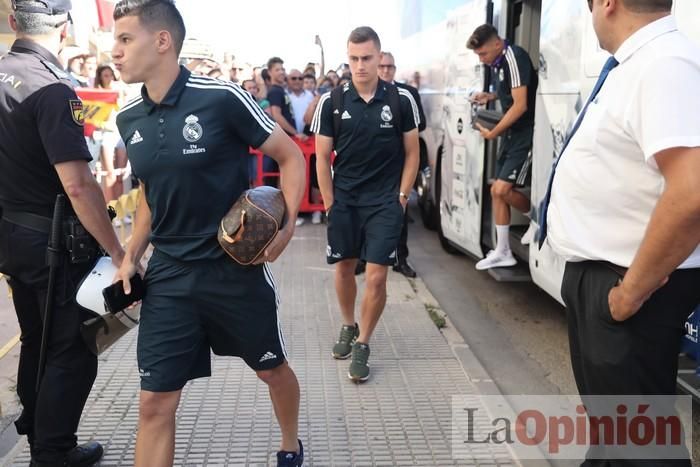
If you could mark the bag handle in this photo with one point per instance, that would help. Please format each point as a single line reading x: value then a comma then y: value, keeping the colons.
x: 239, y: 232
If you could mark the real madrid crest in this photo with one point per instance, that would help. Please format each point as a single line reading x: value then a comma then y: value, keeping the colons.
x: 501, y: 74
x: 193, y: 130
x: 386, y: 114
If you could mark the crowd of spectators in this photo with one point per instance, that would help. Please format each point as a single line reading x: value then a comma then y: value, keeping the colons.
x: 289, y: 97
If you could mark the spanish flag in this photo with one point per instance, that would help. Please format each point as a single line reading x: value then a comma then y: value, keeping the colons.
x: 98, y: 105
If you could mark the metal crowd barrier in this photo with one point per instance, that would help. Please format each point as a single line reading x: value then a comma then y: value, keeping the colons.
x: 308, y: 148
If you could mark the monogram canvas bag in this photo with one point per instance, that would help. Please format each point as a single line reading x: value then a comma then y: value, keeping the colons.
x: 251, y: 224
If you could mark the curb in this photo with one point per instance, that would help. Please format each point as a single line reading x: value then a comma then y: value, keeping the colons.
x: 471, y: 365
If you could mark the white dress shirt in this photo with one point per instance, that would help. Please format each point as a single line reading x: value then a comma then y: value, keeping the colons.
x: 607, y: 182
x: 299, y: 105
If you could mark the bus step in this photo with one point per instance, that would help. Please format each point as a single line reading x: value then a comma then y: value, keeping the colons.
x: 688, y: 379
x: 518, y: 273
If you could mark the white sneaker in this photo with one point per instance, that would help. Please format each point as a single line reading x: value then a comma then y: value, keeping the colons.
x: 495, y: 259
x: 529, y: 235
x: 300, y: 221
x: 316, y: 217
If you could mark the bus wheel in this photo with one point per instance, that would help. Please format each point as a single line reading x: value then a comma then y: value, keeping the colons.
x: 427, y: 208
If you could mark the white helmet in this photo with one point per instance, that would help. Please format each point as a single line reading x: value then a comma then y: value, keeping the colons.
x: 90, y: 296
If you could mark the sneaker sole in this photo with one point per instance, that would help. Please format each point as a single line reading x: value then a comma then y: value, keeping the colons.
x: 341, y: 357
x: 356, y: 379
x: 500, y: 265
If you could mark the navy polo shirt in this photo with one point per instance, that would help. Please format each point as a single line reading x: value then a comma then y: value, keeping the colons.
x: 514, y: 69
x: 369, y: 151
x: 277, y: 96
x: 191, y: 152
x: 41, y: 125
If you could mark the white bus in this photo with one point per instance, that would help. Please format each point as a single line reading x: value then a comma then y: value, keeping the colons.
x: 457, y: 165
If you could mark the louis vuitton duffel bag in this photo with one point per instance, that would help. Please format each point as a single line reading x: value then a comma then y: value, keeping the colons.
x: 252, y: 223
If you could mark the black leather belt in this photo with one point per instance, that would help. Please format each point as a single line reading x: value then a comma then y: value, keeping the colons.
x: 27, y: 220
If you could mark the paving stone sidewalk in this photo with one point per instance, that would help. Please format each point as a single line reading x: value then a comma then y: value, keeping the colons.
x: 400, y: 417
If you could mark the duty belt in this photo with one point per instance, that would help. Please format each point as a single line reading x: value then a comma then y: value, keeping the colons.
x: 27, y: 220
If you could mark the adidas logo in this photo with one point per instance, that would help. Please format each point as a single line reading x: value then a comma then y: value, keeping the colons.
x: 392, y: 255
x: 336, y: 111
x: 346, y: 116
x: 267, y: 356
x: 136, y: 138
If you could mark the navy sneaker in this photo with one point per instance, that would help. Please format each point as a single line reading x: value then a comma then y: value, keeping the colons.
x: 290, y: 458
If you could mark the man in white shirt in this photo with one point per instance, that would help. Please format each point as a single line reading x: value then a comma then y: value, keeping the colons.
x: 625, y: 206
x: 300, y: 98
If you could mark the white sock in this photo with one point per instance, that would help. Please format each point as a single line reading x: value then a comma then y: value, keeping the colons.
x: 502, y: 240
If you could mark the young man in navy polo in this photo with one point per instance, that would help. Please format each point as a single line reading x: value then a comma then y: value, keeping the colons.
x: 376, y: 162
x: 187, y: 139
x: 517, y: 92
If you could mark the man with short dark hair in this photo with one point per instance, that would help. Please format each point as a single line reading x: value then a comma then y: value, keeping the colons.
x: 516, y: 90
x: 623, y: 208
x: 373, y: 172
x: 387, y: 72
x: 187, y: 139
x: 43, y: 154
x: 280, y: 103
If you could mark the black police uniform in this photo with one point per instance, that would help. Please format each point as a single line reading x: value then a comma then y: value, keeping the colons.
x: 41, y: 126
x: 191, y: 152
x: 366, y: 217
x: 515, y: 69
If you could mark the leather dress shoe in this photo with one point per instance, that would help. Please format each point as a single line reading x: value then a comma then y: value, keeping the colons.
x: 84, y: 455
x: 404, y: 268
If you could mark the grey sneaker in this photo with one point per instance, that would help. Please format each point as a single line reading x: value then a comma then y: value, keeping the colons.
x: 359, y: 368
x: 343, y: 346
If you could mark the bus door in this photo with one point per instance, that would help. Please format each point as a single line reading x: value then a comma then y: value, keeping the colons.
x: 462, y: 164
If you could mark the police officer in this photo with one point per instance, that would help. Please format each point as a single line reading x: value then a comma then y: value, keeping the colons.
x: 43, y: 154
x: 373, y: 127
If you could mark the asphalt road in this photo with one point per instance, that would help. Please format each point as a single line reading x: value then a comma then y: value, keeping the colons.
x: 516, y: 330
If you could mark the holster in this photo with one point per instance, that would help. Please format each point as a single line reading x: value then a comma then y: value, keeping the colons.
x: 77, y: 241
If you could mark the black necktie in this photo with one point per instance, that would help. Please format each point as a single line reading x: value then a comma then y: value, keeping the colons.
x: 609, y: 65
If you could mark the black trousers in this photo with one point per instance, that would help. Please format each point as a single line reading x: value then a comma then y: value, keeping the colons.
x: 49, y: 418
x: 636, y: 357
x: 402, y: 249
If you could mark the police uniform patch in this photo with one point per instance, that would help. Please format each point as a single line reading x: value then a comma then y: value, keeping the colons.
x: 76, y: 111
x: 192, y: 131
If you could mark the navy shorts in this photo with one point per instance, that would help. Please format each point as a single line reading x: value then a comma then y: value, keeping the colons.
x: 370, y: 233
x: 194, y: 307
x: 513, y: 165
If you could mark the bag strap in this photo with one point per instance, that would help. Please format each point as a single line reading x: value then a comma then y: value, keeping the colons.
x: 392, y: 96
x: 337, y: 109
